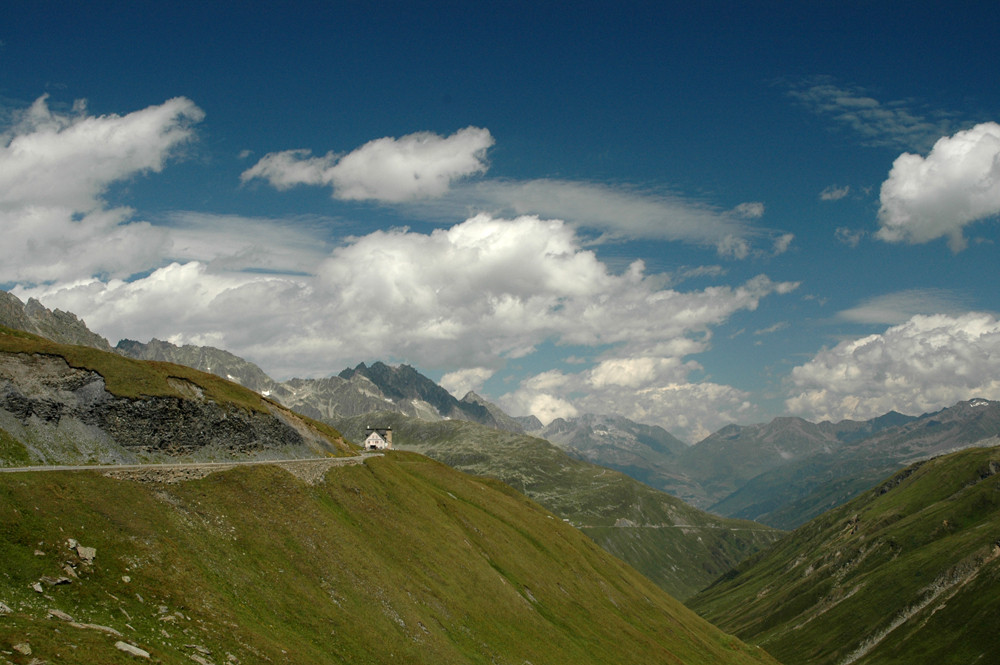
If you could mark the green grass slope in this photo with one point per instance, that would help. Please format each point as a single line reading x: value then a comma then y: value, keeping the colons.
x: 908, y: 572
x: 398, y: 560
x: 136, y: 381
x: 126, y: 377
x: 677, y: 546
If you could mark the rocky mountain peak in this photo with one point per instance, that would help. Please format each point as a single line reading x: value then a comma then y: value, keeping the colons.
x: 57, y: 325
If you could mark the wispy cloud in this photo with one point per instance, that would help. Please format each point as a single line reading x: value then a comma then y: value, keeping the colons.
x: 895, y: 124
x: 423, y: 174
x: 850, y: 237
x: 613, y: 212
x: 901, y: 306
x: 780, y: 325
x: 834, y: 193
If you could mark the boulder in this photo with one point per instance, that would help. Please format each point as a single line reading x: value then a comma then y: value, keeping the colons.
x: 132, y: 649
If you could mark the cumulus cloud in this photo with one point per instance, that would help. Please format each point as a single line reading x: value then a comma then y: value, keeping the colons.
x: 475, y: 295
x: 924, y: 364
x: 460, y: 382
x: 644, y: 389
x: 956, y: 184
x: 54, y: 170
x: 414, y: 166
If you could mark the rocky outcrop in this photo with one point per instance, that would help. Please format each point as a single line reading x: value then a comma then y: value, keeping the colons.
x: 205, y: 358
x: 41, y: 396
x: 57, y: 325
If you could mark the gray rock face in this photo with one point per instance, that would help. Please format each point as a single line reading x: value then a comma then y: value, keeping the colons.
x: 43, y: 393
x: 205, y: 358
x: 57, y: 325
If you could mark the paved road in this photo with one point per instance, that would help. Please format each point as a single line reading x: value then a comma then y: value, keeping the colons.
x: 311, y: 470
x: 357, y: 459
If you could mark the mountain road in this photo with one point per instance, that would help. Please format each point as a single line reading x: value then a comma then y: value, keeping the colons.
x: 310, y: 470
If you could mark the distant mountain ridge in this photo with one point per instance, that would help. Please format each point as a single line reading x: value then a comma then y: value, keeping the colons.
x: 402, y: 384
x: 726, y: 460
x: 204, y: 358
x: 789, y: 494
x: 646, y: 452
x: 57, y: 325
x: 782, y: 473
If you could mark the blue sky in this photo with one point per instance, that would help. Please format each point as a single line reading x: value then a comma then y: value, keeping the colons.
x: 689, y: 215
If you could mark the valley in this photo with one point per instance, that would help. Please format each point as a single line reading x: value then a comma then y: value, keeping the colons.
x: 239, y: 523
x: 907, y: 571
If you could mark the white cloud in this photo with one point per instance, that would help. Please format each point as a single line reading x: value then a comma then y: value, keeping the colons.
x: 733, y: 247
x: 295, y: 245
x: 956, y: 184
x: 614, y: 212
x: 422, y: 172
x: 834, y: 193
x: 460, y: 382
x: 288, y: 168
x: 780, y: 325
x: 414, y: 166
x: 68, y: 160
x: 899, y: 307
x: 474, y: 295
x: 54, y: 169
x: 924, y: 364
x: 782, y: 243
x: 849, y: 237
x: 750, y: 210
x: 644, y: 389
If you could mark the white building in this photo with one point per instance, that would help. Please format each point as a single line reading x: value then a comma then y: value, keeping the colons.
x: 379, y: 439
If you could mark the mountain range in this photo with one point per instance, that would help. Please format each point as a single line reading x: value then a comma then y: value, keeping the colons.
x: 780, y: 473
x: 399, y: 557
x: 679, y: 547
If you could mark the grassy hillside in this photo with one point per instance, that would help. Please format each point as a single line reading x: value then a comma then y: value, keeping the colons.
x: 401, y: 559
x: 59, y: 417
x: 126, y: 377
x: 679, y: 547
x: 908, y: 572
